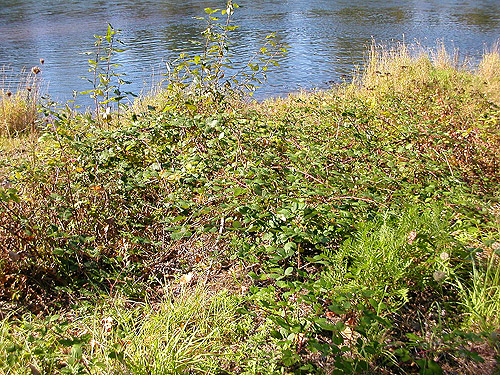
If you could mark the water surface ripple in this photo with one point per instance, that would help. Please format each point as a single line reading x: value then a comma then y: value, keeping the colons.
x: 327, y: 38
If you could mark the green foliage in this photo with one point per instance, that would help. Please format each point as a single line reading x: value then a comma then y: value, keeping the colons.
x: 368, y: 287
x: 480, y: 294
x: 385, y: 256
x: 43, y: 347
x: 106, y: 80
x: 186, y: 333
x: 210, y: 80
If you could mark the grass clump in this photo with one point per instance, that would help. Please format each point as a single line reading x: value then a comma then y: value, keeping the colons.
x: 488, y: 70
x: 17, y: 112
x: 481, y: 297
x: 388, y: 256
x: 190, y: 332
x: 18, y: 109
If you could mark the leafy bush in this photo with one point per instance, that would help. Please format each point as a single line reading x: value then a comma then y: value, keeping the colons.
x: 209, y: 81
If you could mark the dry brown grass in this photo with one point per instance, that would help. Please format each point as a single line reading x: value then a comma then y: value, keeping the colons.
x: 405, y: 69
x: 18, y: 108
x: 489, y: 71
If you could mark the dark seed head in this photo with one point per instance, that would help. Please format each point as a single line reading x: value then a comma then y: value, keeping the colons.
x: 35, y: 70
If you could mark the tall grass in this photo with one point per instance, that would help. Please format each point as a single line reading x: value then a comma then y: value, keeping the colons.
x: 190, y: 332
x: 481, y: 297
x: 18, y: 107
x: 409, y: 68
x: 489, y: 71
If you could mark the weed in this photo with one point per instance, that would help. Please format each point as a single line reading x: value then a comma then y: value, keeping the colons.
x: 208, y: 82
x: 18, y: 108
x: 106, y: 81
x: 481, y: 297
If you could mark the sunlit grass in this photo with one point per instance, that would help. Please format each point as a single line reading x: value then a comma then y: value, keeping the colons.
x: 489, y: 70
x: 19, y: 106
x: 411, y: 69
x: 384, y: 254
x: 480, y: 294
x: 193, y: 331
x: 17, y: 113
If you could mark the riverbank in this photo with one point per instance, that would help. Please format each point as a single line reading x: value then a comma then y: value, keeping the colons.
x: 349, y: 231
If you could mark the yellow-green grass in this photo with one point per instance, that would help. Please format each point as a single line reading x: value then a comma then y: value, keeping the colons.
x: 489, y: 71
x: 188, y: 332
x: 18, y: 112
x: 408, y: 69
x: 18, y: 106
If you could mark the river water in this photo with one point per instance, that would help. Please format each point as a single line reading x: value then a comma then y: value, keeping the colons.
x: 327, y: 38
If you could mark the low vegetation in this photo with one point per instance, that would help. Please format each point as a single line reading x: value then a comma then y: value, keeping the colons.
x: 354, y: 230
x: 18, y: 109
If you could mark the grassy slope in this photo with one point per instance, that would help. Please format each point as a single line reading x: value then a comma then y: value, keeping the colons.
x: 265, y: 239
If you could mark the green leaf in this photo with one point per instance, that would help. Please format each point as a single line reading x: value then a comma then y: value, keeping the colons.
x: 429, y: 367
x: 119, y: 355
x: 290, y: 248
x: 184, y: 232
x: 327, y: 326
x: 413, y: 337
x: 211, y: 11
x: 12, y: 359
x: 11, y: 348
x: 109, y: 33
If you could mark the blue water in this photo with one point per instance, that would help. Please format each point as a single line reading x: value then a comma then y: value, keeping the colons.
x: 327, y: 39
